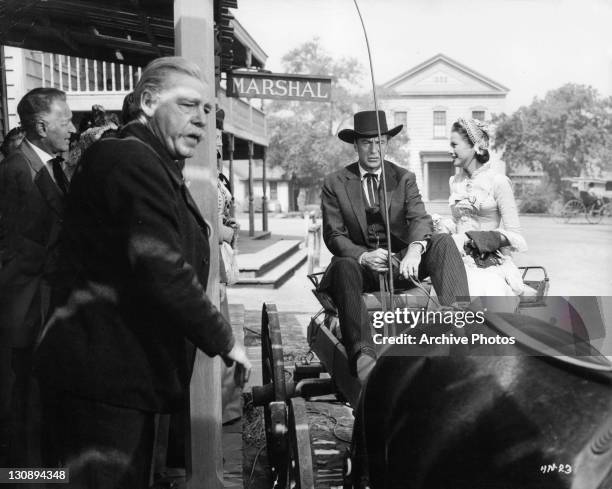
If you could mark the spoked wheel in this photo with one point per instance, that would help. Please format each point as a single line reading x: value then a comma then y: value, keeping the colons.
x: 595, y: 215
x: 272, y: 352
x: 275, y: 413
x: 572, y: 209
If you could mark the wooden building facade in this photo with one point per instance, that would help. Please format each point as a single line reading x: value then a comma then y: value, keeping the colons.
x: 427, y: 99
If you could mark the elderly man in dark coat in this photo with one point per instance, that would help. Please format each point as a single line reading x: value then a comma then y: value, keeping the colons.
x: 354, y: 231
x: 116, y: 353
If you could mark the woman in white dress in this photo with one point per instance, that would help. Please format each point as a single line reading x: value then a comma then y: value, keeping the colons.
x: 485, y: 222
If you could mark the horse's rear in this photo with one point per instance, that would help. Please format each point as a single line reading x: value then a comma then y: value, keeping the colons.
x: 488, y: 419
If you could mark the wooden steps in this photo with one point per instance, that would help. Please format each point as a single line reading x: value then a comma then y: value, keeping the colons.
x: 272, y: 266
x: 256, y: 264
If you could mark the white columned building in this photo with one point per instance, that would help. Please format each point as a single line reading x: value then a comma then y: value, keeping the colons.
x: 427, y: 99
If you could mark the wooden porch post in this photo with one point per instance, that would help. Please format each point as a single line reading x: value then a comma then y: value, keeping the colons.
x: 231, y: 172
x: 194, y: 27
x: 264, y: 199
x: 3, y: 95
x: 251, y: 204
x: 425, y: 189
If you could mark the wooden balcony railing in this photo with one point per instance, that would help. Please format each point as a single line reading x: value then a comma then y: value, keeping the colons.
x: 89, y: 81
x: 242, y: 119
x: 85, y: 81
x: 73, y: 74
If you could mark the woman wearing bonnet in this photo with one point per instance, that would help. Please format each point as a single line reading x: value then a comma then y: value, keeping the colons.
x: 485, y: 222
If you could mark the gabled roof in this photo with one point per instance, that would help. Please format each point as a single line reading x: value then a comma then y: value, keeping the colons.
x: 442, y: 58
x: 242, y: 36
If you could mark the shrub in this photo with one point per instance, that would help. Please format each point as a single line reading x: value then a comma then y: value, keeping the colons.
x: 536, y: 199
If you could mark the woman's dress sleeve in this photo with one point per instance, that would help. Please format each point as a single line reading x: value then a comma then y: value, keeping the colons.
x: 510, y: 225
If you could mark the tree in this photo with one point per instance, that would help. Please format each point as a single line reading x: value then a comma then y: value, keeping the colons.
x: 567, y: 133
x: 303, y: 135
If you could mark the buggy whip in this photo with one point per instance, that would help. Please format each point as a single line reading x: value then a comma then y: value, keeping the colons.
x: 382, y: 162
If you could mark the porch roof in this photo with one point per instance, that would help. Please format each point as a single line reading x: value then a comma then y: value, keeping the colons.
x: 128, y: 31
x: 122, y: 31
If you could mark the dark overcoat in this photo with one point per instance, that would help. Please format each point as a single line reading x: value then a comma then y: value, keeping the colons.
x: 31, y: 212
x: 344, y: 213
x: 139, y: 251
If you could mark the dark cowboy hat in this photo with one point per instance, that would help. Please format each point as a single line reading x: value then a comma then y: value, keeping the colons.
x: 365, y: 126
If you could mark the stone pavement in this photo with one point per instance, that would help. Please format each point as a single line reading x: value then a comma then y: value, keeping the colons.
x: 232, y: 455
x: 232, y: 432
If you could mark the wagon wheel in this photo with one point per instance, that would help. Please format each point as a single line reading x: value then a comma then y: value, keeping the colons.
x: 595, y: 215
x: 300, y: 470
x: 273, y: 372
x: 556, y: 211
x: 272, y: 361
x: 573, y: 208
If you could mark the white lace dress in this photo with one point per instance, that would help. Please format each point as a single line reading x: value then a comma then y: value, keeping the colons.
x: 484, y: 201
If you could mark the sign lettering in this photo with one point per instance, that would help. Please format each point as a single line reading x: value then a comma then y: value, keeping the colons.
x: 279, y: 86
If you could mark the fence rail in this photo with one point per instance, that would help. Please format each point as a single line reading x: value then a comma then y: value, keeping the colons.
x: 89, y: 81
x: 73, y: 74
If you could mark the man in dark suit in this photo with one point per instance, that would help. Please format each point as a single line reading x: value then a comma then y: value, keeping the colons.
x: 122, y: 347
x: 32, y: 189
x: 354, y: 231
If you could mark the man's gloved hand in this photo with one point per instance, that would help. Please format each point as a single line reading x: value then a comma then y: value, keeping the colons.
x: 483, y: 245
x: 485, y: 241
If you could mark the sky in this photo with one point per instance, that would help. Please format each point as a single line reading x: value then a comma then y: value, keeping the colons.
x: 530, y: 46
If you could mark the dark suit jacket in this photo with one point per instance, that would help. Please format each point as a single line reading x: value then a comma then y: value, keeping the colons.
x: 31, y: 211
x: 140, y: 252
x: 344, y: 214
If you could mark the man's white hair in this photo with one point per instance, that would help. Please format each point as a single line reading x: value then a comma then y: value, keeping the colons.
x: 157, y: 73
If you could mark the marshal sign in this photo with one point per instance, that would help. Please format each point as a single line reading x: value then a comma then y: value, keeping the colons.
x: 249, y: 84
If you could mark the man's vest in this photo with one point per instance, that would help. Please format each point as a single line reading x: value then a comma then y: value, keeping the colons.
x: 377, y: 236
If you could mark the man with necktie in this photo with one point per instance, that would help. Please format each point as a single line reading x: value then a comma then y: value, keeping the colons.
x: 32, y: 190
x: 354, y: 231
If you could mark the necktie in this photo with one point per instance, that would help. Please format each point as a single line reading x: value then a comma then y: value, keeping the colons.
x: 59, y: 175
x: 372, y: 186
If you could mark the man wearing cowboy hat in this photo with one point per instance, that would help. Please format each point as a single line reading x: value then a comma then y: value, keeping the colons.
x: 354, y: 231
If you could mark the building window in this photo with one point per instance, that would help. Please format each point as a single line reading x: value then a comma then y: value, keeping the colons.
x: 439, y: 120
x: 401, y: 117
x: 273, y: 190
x: 478, y: 114
x: 608, y: 186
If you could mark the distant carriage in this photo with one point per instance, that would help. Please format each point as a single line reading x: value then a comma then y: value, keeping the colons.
x: 575, y: 203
